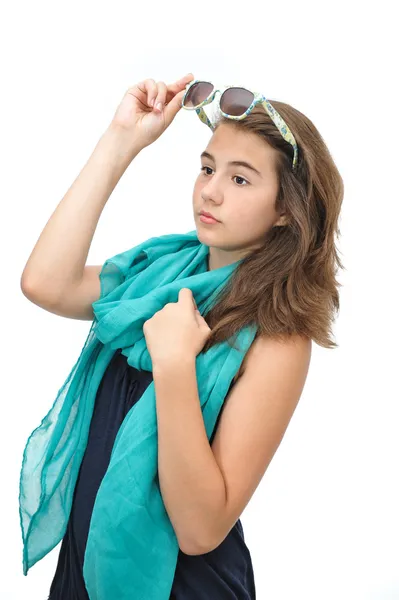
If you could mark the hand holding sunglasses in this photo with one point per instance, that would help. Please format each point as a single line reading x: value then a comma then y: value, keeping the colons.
x: 138, y: 114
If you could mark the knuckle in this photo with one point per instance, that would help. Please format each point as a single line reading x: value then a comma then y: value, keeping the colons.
x: 152, y: 85
x: 161, y: 91
x: 151, y: 88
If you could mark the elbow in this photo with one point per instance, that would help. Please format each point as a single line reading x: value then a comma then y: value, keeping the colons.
x: 26, y: 286
x: 209, y: 531
x: 30, y: 288
x: 194, y: 549
x: 188, y: 546
x: 42, y: 294
x: 197, y: 546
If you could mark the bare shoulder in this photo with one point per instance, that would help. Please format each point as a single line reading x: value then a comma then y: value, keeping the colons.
x: 263, y: 347
x: 295, y: 345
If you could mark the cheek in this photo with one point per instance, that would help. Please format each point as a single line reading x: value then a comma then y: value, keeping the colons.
x: 197, y: 191
x: 248, y: 213
x: 252, y: 218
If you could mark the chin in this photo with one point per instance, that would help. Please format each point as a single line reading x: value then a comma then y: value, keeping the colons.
x: 201, y: 234
x: 208, y: 238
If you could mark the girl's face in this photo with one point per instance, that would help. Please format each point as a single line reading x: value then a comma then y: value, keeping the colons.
x: 240, y: 197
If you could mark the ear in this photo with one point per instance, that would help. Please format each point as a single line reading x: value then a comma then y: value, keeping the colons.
x: 282, y: 220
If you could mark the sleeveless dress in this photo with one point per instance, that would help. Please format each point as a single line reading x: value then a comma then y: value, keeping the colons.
x: 225, y: 573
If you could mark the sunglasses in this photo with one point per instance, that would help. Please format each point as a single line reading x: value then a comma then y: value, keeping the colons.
x: 235, y: 102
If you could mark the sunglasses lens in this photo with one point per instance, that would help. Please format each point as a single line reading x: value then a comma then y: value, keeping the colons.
x: 198, y: 93
x: 235, y: 101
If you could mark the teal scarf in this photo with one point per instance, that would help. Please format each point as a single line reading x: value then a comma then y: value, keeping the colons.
x: 131, y: 548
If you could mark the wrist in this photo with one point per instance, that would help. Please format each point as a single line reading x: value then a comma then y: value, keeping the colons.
x: 173, y: 364
x: 121, y: 143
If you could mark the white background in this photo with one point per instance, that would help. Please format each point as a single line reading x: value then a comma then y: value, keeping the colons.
x: 323, y: 524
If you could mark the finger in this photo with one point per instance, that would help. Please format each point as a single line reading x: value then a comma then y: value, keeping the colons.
x: 198, y: 319
x: 185, y: 295
x: 201, y: 322
x: 173, y: 107
x: 196, y: 307
x: 160, y: 99
x: 177, y: 86
x: 149, y: 89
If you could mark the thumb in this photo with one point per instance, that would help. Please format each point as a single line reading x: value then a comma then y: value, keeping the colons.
x: 201, y: 321
x: 173, y: 107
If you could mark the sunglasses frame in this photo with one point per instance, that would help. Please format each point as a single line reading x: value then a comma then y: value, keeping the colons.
x: 258, y: 99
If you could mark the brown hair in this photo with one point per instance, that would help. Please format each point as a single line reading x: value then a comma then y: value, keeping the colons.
x: 288, y: 285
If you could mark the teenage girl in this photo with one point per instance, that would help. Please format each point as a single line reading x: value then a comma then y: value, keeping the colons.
x: 283, y: 223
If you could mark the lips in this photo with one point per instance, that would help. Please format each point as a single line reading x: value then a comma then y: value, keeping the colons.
x: 206, y: 214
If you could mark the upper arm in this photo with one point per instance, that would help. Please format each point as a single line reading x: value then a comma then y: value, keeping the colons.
x: 75, y: 302
x: 254, y: 418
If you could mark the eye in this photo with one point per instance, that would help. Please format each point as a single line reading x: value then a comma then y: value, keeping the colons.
x: 203, y: 168
x: 235, y: 176
x: 239, y: 177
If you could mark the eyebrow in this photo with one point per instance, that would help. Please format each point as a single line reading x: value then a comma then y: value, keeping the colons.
x: 236, y: 163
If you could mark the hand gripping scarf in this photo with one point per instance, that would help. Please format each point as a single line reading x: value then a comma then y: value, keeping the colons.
x: 131, y: 547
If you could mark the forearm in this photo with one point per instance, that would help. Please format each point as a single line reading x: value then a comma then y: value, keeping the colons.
x: 191, y: 482
x: 59, y: 256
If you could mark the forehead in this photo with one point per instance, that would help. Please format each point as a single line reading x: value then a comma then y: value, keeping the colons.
x: 229, y: 144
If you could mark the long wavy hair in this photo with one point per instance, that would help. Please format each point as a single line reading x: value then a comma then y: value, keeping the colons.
x: 288, y: 285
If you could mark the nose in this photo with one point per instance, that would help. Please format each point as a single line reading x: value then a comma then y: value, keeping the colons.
x: 211, y: 197
x: 212, y: 190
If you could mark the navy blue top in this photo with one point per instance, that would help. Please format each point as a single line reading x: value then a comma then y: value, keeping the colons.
x: 225, y: 573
